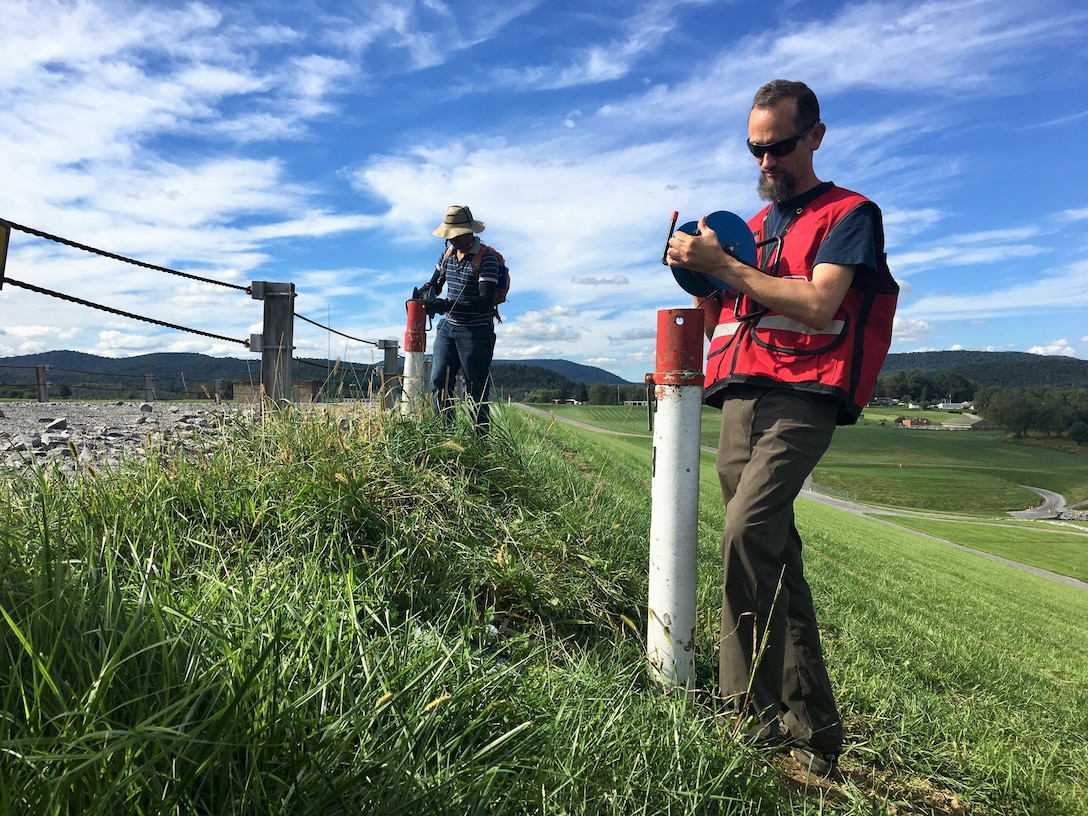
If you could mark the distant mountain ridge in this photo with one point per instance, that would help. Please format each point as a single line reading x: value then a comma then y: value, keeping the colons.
x: 198, y: 367
x: 161, y: 364
x: 1007, y: 369
x: 576, y: 372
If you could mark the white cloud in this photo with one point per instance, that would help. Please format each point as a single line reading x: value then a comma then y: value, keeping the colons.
x: 906, y: 330
x: 1060, y: 289
x: 217, y: 138
x: 1054, y: 348
x: 615, y: 280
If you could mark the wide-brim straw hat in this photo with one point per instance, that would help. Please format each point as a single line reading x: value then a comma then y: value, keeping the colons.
x: 458, y: 221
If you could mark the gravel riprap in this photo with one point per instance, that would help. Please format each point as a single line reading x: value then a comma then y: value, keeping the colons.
x: 76, y: 434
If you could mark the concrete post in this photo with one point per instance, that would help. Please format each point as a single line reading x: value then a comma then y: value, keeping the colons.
x: 674, y: 519
x: 149, y: 387
x: 278, y: 338
x: 41, y: 378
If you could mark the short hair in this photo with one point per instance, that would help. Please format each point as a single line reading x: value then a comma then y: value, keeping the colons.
x: 775, y: 91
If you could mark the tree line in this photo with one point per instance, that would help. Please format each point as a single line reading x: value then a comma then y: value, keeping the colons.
x: 1049, y: 410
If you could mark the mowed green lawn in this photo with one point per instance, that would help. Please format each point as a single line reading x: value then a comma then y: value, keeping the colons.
x: 959, y: 471
x: 1064, y: 551
x: 970, y: 472
x: 974, y: 475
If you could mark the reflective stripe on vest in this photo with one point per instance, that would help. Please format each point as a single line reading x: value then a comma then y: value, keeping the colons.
x: 779, y: 323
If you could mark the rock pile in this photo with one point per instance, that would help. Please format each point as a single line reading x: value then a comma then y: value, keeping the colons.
x: 74, y: 435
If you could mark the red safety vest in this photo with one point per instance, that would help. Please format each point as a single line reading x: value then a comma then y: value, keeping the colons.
x: 753, y: 344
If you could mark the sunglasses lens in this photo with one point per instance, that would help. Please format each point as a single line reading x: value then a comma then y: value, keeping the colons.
x: 783, y: 148
x: 776, y: 149
x: 780, y: 148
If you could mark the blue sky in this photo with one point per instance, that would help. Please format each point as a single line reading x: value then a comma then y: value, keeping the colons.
x: 319, y: 142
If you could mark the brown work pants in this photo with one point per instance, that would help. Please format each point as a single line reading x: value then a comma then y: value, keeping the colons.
x: 771, y: 661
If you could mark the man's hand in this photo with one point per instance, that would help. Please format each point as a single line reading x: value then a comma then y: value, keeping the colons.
x: 812, y: 302
x: 438, y: 306
x: 700, y: 253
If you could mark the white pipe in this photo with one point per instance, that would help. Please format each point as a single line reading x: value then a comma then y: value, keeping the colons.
x: 413, y: 396
x: 674, y: 522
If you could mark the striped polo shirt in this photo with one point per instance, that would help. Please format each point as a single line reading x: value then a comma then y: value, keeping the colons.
x: 461, y: 283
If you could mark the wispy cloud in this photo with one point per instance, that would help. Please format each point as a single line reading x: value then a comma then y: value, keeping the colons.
x: 323, y: 145
x: 1056, y: 289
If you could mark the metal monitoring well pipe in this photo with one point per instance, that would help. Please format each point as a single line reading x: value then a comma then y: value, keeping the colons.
x: 674, y: 521
x: 415, y: 345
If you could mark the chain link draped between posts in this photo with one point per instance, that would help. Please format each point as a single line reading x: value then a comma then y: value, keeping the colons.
x: 6, y: 227
x: 334, y: 331
x: 9, y: 225
x: 72, y: 299
x: 122, y: 258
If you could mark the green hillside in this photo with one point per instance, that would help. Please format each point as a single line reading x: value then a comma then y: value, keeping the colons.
x: 178, y: 374
x: 976, y: 472
x: 357, y: 613
x: 1005, y: 369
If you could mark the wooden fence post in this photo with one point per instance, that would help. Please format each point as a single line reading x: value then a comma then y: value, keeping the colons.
x: 5, y: 236
x: 390, y: 373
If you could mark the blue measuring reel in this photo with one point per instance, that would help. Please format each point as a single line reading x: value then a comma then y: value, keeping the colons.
x: 734, y: 237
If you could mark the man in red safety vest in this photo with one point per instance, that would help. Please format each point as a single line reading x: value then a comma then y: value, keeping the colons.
x: 795, y: 349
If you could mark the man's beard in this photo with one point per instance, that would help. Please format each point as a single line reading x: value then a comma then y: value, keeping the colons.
x: 777, y: 189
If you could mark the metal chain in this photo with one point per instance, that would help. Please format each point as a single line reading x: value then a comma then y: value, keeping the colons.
x: 82, y: 302
x: 122, y: 258
x: 334, y: 331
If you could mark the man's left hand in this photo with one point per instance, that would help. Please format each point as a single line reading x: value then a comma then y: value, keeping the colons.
x: 438, y: 306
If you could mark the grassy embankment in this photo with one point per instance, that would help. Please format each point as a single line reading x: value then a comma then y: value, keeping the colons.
x: 299, y: 622
x: 975, y: 477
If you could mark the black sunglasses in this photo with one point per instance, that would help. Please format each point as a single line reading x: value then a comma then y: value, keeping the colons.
x: 783, y: 147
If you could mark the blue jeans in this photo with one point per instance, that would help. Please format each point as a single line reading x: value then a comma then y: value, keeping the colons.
x: 466, y: 350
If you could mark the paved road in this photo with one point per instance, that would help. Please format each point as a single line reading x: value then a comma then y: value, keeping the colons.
x: 1053, y: 503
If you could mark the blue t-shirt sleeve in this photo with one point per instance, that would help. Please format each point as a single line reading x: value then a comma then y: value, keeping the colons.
x: 853, y: 240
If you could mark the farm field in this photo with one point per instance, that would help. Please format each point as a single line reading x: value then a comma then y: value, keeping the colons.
x: 973, y: 472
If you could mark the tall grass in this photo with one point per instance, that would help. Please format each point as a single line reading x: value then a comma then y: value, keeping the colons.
x: 342, y: 614
x: 355, y: 613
